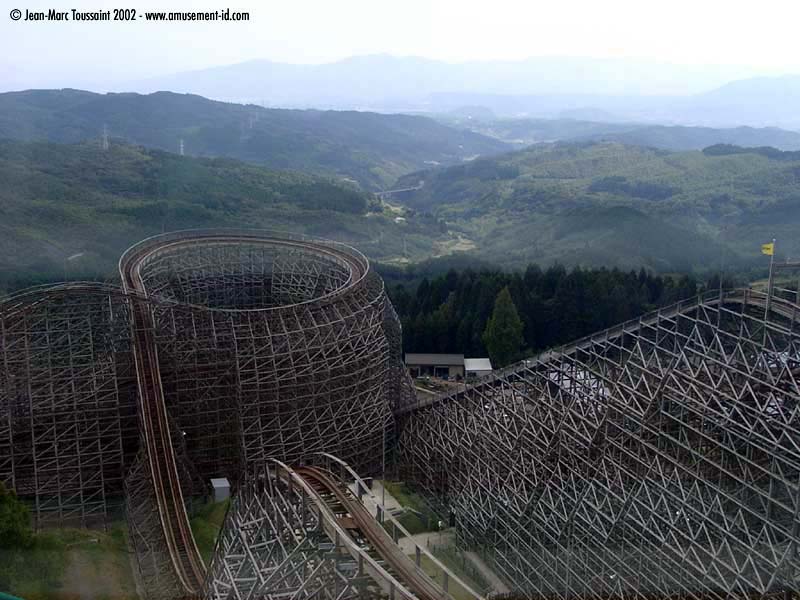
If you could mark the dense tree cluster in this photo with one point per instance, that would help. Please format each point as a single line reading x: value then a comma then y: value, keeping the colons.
x: 15, y: 527
x: 373, y: 149
x: 503, y: 335
x: 647, y: 190
x: 768, y: 151
x: 61, y: 200
x: 450, y: 313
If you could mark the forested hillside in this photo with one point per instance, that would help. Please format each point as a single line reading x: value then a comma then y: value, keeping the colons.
x: 448, y: 313
x: 59, y: 201
x: 611, y: 204
x: 594, y: 204
x: 372, y: 149
x: 525, y: 132
x: 696, y: 138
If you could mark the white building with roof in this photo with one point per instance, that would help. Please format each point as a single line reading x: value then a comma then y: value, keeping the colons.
x: 447, y: 366
x: 477, y: 367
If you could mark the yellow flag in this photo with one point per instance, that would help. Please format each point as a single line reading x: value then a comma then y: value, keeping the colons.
x: 768, y: 249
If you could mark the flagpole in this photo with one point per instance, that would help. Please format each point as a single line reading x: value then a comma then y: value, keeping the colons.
x: 769, y: 281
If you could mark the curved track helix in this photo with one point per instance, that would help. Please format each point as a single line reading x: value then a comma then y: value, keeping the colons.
x: 228, y: 346
x: 159, y: 450
x: 143, y: 273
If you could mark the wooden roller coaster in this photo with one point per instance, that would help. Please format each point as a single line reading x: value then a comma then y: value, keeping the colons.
x: 183, y: 553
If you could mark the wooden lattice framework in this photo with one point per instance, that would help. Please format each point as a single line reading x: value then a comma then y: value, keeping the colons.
x: 67, y: 400
x: 237, y: 344
x: 660, y: 458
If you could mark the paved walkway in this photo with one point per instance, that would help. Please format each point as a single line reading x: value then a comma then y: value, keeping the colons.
x: 445, y: 537
x: 389, y: 501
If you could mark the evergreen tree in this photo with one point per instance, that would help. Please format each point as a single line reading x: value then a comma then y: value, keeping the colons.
x: 449, y: 312
x: 503, y: 333
x: 15, y: 526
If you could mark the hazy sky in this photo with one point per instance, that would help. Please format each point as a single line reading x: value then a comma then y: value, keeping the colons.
x: 735, y: 32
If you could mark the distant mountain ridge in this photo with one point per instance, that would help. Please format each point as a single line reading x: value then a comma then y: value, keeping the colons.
x: 756, y: 102
x: 680, y: 138
x: 524, y: 132
x: 368, y: 148
x: 387, y: 76
x: 627, y: 89
x: 605, y: 89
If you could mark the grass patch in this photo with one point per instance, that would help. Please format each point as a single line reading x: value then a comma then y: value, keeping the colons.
x: 455, y: 590
x: 458, y: 563
x: 36, y: 571
x: 419, y: 516
x: 415, y: 524
x: 66, y: 564
x: 206, y: 523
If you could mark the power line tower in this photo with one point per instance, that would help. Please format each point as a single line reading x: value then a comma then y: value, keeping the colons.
x: 105, y: 136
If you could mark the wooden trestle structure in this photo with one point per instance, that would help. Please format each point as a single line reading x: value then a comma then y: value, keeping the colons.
x: 657, y: 459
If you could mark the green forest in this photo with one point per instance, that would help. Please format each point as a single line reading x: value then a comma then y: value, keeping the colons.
x: 368, y: 148
x: 588, y: 204
x: 63, y: 200
x: 583, y: 203
x: 449, y: 312
x: 528, y: 131
x: 608, y: 204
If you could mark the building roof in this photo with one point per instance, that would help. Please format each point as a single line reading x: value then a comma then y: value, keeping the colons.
x: 477, y: 364
x: 439, y: 360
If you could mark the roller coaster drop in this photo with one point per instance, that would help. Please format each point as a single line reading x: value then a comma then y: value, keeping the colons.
x: 659, y: 458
